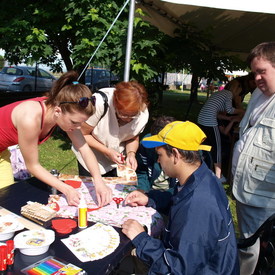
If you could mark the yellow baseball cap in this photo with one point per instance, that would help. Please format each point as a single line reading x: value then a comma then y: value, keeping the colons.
x: 182, y: 135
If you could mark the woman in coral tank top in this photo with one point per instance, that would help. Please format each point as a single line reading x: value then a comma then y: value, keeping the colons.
x: 30, y: 122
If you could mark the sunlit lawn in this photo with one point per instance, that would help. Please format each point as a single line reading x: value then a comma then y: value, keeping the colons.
x: 56, y: 153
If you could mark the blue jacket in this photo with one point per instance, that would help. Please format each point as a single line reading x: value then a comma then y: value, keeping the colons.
x: 199, y: 237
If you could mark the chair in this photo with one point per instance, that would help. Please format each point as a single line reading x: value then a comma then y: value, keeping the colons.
x: 266, y: 233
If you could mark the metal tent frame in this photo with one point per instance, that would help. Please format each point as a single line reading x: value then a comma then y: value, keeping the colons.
x: 129, y: 40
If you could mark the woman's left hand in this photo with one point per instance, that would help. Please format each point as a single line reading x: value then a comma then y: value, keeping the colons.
x: 131, y: 161
x: 103, y: 194
x: 72, y: 195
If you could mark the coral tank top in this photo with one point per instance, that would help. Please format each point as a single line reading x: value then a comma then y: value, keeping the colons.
x: 8, y: 133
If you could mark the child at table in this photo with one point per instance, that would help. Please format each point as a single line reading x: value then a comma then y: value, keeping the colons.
x: 31, y: 122
x: 149, y: 172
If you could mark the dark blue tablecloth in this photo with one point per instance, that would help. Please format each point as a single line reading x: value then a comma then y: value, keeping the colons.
x: 15, y: 196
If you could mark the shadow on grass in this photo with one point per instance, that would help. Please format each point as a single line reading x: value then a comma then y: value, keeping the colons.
x: 60, y: 135
x: 178, y: 105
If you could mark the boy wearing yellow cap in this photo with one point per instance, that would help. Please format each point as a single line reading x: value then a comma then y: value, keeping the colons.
x: 199, y: 237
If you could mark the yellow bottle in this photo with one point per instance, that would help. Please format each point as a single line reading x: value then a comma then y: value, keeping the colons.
x: 82, y: 213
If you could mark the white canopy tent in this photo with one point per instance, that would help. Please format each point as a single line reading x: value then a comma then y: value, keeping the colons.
x: 265, y: 6
x: 236, y: 25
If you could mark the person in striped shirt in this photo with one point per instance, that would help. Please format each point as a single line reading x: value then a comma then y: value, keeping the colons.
x: 217, y: 103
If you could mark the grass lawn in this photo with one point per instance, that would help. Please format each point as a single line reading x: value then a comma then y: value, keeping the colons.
x: 56, y: 152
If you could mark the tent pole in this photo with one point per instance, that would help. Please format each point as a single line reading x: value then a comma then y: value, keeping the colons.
x: 103, y: 39
x: 129, y: 41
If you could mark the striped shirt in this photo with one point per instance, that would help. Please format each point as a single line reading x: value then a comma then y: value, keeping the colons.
x: 218, y: 102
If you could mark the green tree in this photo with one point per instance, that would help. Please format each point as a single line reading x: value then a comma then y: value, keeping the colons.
x: 43, y: 30
x: 193, y: 50
x: 2, y: 62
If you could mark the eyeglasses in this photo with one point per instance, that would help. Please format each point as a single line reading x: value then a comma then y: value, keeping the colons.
x: 82, y: 102
x: 125, y: 116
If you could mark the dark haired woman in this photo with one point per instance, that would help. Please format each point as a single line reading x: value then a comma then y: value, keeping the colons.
x: 31, y: 122
x: 219, y: 102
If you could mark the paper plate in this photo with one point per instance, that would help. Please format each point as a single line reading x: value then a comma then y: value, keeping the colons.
x: 93, y: 243
x: 8, y: 226
x: 34, y: 242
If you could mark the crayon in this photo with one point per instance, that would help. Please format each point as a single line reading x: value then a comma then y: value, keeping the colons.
x: 53, y: 266
x: 38, y: 270
x: 50, y: 266
x: 41, y: 270
x: 57, y: 263
x: 47, y: 268
x: 33, y: 272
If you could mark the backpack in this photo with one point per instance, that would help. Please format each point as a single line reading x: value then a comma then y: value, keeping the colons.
x: 105, y: 99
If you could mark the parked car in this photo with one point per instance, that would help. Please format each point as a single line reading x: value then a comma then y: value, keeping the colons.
x: 97, y: 78
x: 25, y: 79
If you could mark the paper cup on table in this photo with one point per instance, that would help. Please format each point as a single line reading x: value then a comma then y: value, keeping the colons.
x: 34, y: 242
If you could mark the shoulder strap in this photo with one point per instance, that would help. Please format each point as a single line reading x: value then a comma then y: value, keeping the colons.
x: 105, y: 99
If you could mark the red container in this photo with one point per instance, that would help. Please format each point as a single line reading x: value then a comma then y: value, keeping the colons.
x: 10, y: 252
x: 3, y: 257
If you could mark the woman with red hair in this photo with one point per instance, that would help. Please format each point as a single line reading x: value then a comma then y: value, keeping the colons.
x: 115, y: 135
